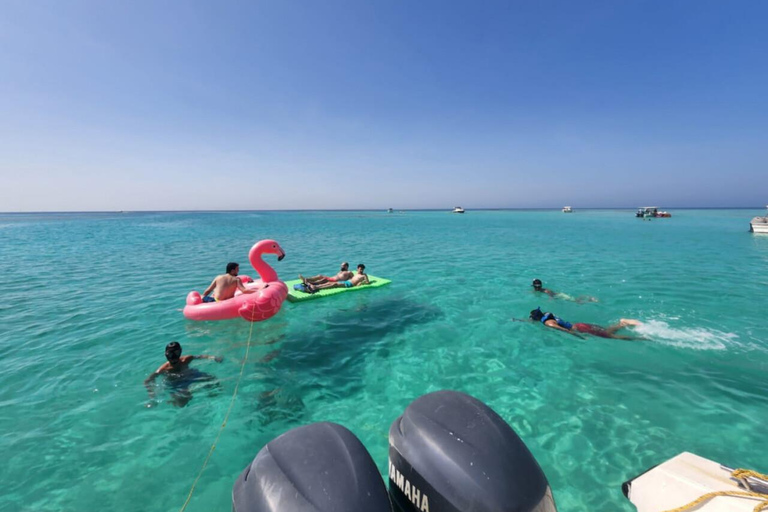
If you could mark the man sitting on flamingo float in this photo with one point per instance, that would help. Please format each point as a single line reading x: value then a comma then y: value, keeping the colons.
x: 225, y: 285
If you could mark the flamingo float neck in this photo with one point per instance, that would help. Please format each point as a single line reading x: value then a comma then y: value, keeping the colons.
x: 266, y: 272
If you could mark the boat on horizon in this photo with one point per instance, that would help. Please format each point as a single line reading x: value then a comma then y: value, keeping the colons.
x: 457, y: 209
x: 649, y: 212
x: 759, y: 224
x: 567, y: 209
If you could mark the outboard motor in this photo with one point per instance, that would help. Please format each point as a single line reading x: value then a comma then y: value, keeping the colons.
x: 320, y: 467
x: 449, y: 452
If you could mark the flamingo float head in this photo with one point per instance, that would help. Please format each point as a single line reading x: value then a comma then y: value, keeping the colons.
x: 265, y: 247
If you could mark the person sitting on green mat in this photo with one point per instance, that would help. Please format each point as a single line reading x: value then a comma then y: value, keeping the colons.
x: 343, y: 275
x: 358, y: 279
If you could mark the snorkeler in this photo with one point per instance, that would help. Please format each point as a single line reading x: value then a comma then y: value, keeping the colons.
x: 343, y: 275
x: 178, y: 371
x: 225, y: 285
x: 550, y: 320
x: 538, y: 287
x: 358, y: 279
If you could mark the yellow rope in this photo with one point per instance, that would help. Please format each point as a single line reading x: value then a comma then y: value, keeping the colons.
x: 739, y: 474
x: 223, y: 423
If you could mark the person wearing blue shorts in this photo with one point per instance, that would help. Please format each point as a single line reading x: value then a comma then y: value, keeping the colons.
x: 358, y: 279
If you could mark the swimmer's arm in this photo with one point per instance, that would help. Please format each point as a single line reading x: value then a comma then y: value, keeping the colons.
x: 210, y: 288
x: 218, y: 359
x: 554, y: 325
x: 242, y: 288
x: 366, y: 279
x: 151, y: 379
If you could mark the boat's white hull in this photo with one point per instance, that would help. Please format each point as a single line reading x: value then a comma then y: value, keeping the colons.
x: 759, y: 225
x: 681, y: 480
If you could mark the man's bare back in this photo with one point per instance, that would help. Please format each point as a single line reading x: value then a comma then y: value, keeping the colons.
x: 225, y: 286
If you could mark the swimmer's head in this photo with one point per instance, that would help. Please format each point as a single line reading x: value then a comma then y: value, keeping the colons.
x: 360, y: 268
x: 173, y: 351
x: 345, y: 265
x: 536, y: 315
x: 537, y: 284
x: 233, y: 267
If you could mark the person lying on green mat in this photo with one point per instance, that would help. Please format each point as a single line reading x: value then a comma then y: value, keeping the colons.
x: 343, y: 275
x: 358, y: 279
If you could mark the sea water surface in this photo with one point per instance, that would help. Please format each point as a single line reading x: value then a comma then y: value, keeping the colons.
x: 91, y: 300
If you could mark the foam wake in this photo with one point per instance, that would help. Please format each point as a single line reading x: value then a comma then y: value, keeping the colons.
x: 698, y: 338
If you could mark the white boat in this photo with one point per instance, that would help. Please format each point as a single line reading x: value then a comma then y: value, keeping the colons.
x: 390, y: 210
x: 647, y: 212
x: 457, y: 209
x: 759, y: 224
x: 567, y: 209
x: 687, y: 477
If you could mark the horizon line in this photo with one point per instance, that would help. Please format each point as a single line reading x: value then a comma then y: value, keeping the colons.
x: 379, y: 209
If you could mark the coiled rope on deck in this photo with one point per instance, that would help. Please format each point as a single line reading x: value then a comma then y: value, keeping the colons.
x: 223, y: 423
x: 739, y: 474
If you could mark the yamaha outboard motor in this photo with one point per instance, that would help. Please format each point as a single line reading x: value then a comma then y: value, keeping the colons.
x: 450, y: 452
x: 320, y: 467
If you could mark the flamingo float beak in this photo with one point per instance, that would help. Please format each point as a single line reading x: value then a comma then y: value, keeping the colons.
x: 280, y: 258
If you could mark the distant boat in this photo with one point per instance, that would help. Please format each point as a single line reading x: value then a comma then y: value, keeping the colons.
x: 647, y: 212
x: 759, y: 224
x: 457, y: 209
x: 390, y: 210
x: 567, y: 209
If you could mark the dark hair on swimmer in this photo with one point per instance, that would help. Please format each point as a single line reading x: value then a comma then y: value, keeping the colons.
x: 361, y: 266
x: 231, y: 266
x: 536, y: 282
x: 536, y: 315
x: 171, y: 349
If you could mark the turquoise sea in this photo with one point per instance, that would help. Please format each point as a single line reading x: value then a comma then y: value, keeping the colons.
x: 91, y: 300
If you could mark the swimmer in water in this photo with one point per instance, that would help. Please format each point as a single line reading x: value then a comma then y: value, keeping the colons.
x: 539, y: 287
x: 178, y: 374
x: 550, y: 320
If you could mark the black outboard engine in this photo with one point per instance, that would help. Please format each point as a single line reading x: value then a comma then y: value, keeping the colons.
x: 450, y: 452
x: 320, y: 467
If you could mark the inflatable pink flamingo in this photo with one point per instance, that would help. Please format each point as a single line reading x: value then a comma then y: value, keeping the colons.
x: 254, y: 307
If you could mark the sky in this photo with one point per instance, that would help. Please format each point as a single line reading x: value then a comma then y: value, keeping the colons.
x: 285, y: 104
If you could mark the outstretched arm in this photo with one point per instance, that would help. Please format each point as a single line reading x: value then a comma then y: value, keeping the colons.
x: 218, y: 359
x: 242, y: 288
x: 149, y: 381
x: 553, y: 324
x: 210, y: 288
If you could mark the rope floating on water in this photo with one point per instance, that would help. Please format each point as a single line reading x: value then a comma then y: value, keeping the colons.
x: 223, y: 423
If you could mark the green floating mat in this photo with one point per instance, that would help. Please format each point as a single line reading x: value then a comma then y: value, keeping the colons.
x: 297, y: 296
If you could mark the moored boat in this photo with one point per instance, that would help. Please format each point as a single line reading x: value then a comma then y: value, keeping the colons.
x: 687, y: 481
x: 457, y: 209
x: 759, y: 224
x: 567, y: 209
x: 647, y: 212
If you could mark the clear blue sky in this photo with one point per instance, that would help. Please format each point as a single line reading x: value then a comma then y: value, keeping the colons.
x: 280, y: 104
